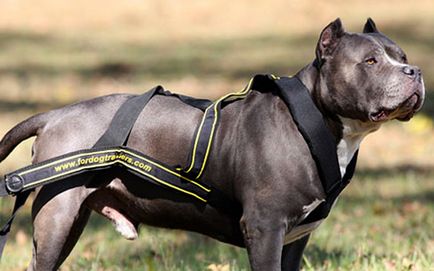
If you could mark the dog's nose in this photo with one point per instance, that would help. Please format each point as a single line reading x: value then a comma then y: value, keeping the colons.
x: 411, y: 71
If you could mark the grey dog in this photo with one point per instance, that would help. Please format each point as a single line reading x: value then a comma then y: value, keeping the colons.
x: 259, y: 157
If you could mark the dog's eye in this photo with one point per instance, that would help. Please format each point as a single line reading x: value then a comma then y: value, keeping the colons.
x: 371, y: 61
x: 404, y: 59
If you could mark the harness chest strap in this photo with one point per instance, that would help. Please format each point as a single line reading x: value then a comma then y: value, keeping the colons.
x: 321, y: 142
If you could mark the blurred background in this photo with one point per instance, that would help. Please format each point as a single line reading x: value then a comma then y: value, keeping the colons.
x: 57, y: 52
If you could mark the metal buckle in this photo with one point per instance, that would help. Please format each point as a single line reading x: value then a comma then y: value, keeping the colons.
x: 14, y: 183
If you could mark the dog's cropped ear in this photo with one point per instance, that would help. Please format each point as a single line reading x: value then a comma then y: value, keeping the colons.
x: 370, y: 27
x: 329, y: 39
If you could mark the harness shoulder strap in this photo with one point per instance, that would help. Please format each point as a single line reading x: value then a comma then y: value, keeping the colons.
x: 312, y: 126
x: 321, y: 142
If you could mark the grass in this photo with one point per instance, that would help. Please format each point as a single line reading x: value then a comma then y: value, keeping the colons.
x: 381, y: 223
x: 58, y: 52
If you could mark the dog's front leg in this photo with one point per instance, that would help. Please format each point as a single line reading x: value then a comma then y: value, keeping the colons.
x: 263, y: 238
x: 293, y: 253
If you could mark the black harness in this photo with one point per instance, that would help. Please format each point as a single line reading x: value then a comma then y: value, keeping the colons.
x: 111, y: 151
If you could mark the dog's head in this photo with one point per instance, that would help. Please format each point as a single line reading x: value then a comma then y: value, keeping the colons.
x: 366, y: 76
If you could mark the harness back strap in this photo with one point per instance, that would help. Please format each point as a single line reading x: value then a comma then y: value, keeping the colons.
x: 124, y: 119
x: 126, y: 116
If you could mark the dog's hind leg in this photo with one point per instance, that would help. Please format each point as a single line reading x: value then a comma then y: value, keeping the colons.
x: 58, y: 220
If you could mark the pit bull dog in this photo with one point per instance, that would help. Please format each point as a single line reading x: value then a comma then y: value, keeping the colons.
x: 359, y: 81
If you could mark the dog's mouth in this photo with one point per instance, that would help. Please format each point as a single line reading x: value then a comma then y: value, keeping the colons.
x: 403, y: 112
x: 412, y: 104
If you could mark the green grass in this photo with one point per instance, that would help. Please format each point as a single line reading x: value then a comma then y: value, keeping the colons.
x: 383, y: 222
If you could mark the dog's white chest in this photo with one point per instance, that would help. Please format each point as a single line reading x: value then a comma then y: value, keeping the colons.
x: 353, y: 133
x: 302, y: 230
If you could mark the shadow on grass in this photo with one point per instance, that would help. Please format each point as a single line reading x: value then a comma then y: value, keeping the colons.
x: 236, y: 58
x: 428, y: 107
x: 7, y: 106
x: 201, y: 58
x: 377, y: 175
x: 426, y: 197
x: 391, y: 172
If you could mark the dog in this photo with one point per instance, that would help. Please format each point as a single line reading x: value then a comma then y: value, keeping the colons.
x: 259, y: 157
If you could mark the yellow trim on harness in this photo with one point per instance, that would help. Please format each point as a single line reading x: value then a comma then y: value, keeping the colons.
x: 215, y: 106
x: 102, y: 164
x: 168, y: 170
x: 62, y: 160
x: 126, y: 165
x: 163, y: 182
x: 66, y: 173
x: 242, y: 93
x: 196, y: 141
x: 238, y: 95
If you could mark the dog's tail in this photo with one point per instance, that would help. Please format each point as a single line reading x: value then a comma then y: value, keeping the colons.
x: 26, y: 129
